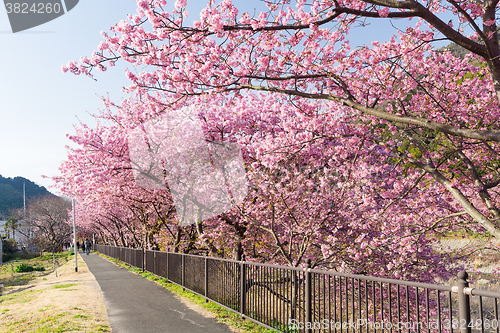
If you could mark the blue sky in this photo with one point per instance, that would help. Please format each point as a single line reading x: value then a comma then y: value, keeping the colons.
x: 40, y: 104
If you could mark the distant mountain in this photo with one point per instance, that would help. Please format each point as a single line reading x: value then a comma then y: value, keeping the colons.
x: 11, y: 193
x: 457, y: 50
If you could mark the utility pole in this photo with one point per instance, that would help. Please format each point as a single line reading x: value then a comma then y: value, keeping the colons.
x: 74, y: 234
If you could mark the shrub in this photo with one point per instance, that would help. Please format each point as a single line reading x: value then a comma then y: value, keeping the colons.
x: 6, y: 257
x: 24, y: 268
x: 28, y: 268
x: 9, y: 246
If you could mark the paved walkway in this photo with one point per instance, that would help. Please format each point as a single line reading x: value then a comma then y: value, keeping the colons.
x: 137, y: 305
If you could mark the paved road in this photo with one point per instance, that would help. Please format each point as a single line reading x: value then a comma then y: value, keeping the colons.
x: 137, y: 305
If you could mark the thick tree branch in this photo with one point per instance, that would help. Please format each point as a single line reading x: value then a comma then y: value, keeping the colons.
x: 487, y: 135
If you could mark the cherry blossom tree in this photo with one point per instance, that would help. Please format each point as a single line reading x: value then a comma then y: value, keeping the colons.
x: 320, y: 190
x: 109, y: 202
x: 437, y: 113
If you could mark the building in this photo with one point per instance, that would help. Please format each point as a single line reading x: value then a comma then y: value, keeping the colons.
x: 22, y: 234
x: 2, y: 228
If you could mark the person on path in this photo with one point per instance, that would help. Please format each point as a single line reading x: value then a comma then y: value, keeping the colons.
x: 87, y: 246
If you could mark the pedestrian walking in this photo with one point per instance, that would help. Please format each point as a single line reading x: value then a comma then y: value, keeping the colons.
x: 87, y: 246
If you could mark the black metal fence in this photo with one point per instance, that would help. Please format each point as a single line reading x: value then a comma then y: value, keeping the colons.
x: 290, y: 299
x: 133, y: 257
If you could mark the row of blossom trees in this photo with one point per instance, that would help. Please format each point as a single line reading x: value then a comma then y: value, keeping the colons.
x: 356, y: 158
x: 319, y: 189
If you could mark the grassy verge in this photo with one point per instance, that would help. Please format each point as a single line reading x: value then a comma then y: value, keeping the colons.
x: 10, y: 278
x: 64, y: 302
x: 223, y: 315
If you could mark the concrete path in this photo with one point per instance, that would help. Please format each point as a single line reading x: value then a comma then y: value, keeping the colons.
x: 137, y: 305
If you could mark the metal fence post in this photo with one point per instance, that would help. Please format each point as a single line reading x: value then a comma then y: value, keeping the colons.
x: 183, y: 271
x: 155, y: 264
x: 143, y: 252
x: 206, y: 279
x: 307, y: 272
x: 243, y: 291
x: 463, y: 303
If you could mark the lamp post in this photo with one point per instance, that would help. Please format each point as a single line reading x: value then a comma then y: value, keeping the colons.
x: 74, y: 234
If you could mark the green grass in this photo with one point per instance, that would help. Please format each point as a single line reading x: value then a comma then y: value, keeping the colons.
x: 53, y: 318
x: 45, y: 308
x: 67, y: 285
x: 47, y: 318
x: 19, y: 256
x: 35, y: 255
x: 80, y: 316
x: 54, y: 324
x: 223, y: 315
x: 466, y: 233
x: 20, y: 296
x: 102, y: 328
x: 17, y: 273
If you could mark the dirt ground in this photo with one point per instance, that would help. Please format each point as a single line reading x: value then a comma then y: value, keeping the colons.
x: 59, y: 302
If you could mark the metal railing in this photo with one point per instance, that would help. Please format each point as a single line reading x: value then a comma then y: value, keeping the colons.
x: 291, y: 299
x: 133, y: 257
